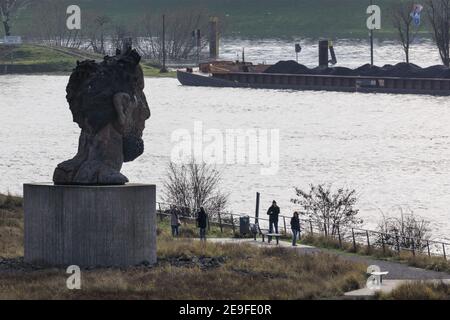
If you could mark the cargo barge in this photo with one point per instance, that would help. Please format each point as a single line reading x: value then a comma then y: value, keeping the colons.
x: 365, y: 84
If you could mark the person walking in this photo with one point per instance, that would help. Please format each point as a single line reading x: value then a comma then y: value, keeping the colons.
x: 175, y: 221
x: 273, y: 212
x: 202, y: 223
x: 295, y: 227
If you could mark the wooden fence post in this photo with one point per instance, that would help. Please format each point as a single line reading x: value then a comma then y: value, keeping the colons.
x: 413, y: 248
x: 443, y: 250
x: 285, y: 229
x: 311, y: 227
x: 354, y: 240
x: 232, y: 222
x: 428, y: 247
x: 220, y: 223
x: 368, y: 241
x: 339, y: 235
x: 382, y: 243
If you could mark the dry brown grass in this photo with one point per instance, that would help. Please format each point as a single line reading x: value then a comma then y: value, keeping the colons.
x: 247, y: 273
x: 419, y: 291
x: 11, y: 226
x: 419, y: 260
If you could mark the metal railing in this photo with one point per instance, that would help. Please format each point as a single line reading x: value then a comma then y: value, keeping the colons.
x: 344, y: 236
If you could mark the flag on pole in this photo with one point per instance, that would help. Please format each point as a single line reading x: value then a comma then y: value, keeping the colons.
x: 415, y: 14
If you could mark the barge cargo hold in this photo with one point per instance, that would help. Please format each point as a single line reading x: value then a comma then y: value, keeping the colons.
x: 366, y: 84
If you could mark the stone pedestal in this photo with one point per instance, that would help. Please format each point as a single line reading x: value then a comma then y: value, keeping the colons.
x: 90, y: 226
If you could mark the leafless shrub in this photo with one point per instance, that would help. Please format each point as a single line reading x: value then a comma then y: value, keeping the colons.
x: 49, y: 25
x: 8, y: 10
x: 407, y: 231
x: 193, y: 186
x: 327, y: 209
x: 403, y: 23
x: 439, y: 18
x: 179, y: 41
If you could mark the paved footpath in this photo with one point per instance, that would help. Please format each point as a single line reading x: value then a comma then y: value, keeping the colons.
x: 397, y: 271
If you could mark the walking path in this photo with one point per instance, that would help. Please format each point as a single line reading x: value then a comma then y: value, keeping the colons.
x: 397, y: 271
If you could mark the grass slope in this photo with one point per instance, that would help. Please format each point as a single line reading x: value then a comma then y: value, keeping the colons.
x: 49, y: 60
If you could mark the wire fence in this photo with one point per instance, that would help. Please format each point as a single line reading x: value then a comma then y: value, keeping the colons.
x: 343, y: 235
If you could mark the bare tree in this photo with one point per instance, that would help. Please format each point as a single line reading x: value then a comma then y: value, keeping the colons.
x: 97, y: 27
x: 9, y: 9
x: 193, y: 186
x: 439, y: 18
x: 403, y: 22
x: 327, y: 209
x: 180, y: 43
x: 407, y: 231
x: 49, y: 25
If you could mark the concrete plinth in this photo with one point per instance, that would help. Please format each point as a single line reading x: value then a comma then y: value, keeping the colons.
x: 90, y: 226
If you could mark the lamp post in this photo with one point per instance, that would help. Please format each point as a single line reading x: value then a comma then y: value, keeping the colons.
x: 164, y: 69
x: 371, y: 41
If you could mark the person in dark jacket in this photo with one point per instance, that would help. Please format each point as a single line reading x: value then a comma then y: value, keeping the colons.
x: 295, y: 227
x: 202, y: 222
x: 273, y: 212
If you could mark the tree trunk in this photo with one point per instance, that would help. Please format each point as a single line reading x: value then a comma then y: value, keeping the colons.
x: 7, y: 28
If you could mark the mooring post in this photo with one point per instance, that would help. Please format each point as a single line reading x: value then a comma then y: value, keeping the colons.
x: 214, y: 41
x: 323, y: 53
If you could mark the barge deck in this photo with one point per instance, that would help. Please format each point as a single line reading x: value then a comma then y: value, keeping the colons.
x: 366, y: 84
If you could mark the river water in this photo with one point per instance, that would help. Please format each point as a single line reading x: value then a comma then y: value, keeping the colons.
x: 393, y: 149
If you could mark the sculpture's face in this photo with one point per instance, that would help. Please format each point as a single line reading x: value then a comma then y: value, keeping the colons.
x: 111, y: 93
x: 132, y: 113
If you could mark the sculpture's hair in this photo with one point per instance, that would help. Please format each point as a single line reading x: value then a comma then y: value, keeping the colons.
x: 93, y: 85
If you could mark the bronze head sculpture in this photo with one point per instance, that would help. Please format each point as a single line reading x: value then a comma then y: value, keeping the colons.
x: 109, y: 105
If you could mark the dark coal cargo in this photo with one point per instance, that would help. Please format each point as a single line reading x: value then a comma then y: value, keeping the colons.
x: 400, y: 70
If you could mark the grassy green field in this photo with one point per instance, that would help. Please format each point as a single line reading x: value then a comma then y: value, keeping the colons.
x: 254, y: 18
x: 48, y: 60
